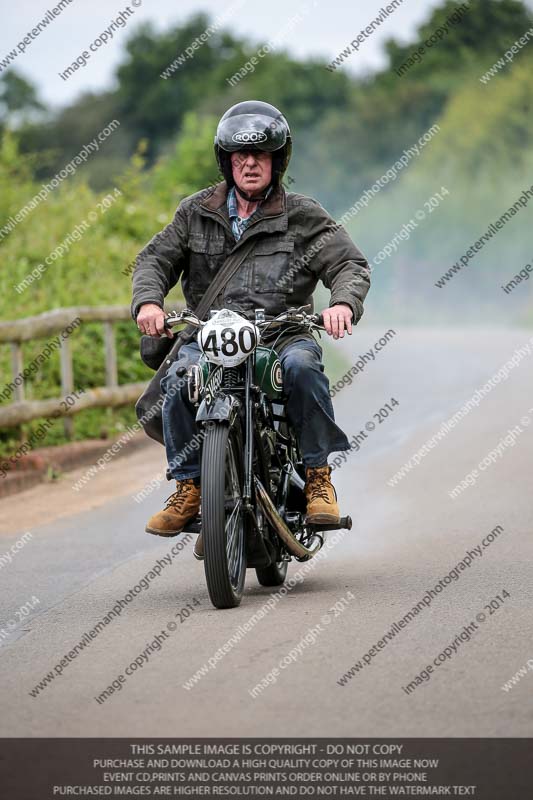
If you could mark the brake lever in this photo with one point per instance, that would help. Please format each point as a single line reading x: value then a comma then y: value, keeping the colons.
x: 185, y: 317
x: 174, y: 318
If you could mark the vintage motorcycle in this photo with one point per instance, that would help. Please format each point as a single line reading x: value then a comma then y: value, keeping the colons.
x: 252, y: 477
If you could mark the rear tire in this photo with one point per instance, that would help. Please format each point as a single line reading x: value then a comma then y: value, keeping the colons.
x: 274, y: 575
x: 222, y: 518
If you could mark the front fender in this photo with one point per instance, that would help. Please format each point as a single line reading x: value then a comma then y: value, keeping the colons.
x: 222, y: 408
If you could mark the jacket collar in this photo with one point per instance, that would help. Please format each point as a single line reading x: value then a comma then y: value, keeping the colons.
x: 275, y: 204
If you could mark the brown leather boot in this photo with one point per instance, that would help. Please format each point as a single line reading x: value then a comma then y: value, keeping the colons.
x: 180, y: 508
x: 321, y: 497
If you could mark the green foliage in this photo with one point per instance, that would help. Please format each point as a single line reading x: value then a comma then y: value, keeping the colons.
x: 487, y: 129
x: 159, y: 109
x: 192, y: 165
x: 478, y: 31
x: 89, y: 272
x: 17, y: 94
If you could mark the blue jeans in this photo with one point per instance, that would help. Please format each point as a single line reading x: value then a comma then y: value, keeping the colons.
x: 307, y: 403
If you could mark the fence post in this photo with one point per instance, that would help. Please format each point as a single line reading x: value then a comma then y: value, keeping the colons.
x: 111, y: 373
x: 16, y: 361
x: 67, y: 383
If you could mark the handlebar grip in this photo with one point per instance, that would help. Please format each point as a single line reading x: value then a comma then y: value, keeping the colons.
x: 319, y: 319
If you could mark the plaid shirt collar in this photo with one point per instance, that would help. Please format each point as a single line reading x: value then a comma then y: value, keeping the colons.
x: 239, y: 224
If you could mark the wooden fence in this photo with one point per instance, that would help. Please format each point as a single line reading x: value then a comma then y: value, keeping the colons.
x: 111, y: 395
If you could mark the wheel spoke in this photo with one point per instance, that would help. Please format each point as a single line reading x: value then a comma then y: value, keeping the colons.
x: 233, y: 537
x: 234, y: 524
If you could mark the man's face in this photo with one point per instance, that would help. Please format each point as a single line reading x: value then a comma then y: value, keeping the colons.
x: 252, y: 170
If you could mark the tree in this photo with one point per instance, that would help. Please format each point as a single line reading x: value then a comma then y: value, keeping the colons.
x: 18, y: 97
x: 472, y: 33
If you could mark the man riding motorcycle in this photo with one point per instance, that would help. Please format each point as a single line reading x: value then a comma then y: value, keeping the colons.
x: 296, y: 244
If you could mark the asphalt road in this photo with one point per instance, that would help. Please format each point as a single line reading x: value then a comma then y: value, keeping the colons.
x: 88, y: 550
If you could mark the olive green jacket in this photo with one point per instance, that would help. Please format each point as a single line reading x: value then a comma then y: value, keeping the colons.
x: 296, y: 244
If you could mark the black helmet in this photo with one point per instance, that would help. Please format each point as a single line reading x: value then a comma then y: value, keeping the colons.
x: 253, y: 125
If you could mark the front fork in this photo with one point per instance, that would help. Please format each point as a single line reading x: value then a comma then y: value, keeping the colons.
x: 248, y: 435
x: 221, y: 408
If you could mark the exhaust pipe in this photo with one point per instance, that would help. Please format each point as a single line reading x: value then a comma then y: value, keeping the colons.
x: 277, y: 522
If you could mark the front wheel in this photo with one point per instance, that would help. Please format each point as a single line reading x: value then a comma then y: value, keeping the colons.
x: 222, y: 515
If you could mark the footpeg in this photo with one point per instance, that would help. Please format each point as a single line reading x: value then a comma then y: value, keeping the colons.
x: 194, y: 525
x: 344, y: 522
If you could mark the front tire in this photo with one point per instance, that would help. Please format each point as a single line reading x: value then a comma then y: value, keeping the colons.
x: 222, y: 517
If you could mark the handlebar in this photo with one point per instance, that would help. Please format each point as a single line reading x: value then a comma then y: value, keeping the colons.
x: 293, y: 316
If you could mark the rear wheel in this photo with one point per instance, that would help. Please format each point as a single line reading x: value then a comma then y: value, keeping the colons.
x: 222, y: 516
x: 274, y: 575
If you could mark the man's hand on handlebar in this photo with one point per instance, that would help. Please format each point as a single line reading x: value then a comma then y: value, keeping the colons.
x: 337, y: 319
x: 151, y: 321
